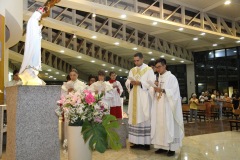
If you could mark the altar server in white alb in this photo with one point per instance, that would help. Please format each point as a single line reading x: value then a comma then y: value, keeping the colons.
x: 74, y: 84
x: 102, y: 86
x: 116, y: 103
x: 139, y: 103
x: 166, y: 117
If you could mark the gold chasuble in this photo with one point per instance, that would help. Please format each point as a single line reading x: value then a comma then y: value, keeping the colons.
x: 137, y: 73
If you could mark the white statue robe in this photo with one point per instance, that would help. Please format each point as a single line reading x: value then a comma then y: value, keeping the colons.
x: 103, y: 86
x: 167, y: 130
x: 116, y: 100
x: 32, y: 50
x: 140, y: 97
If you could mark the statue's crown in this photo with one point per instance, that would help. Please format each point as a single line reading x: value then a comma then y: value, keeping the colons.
x: 41, y: 10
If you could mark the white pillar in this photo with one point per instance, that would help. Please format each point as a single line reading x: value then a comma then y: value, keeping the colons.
x: 190, y: 79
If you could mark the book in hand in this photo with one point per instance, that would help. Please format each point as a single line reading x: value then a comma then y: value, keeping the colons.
x: 131, y: 78
x: 69, y: 84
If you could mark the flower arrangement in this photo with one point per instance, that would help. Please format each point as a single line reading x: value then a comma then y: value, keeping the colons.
x: 87, y: 110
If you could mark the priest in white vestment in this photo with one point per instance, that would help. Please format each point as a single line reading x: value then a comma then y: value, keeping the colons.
x: 166, y: 116
x: 102, y: 86
x: 139, y: 103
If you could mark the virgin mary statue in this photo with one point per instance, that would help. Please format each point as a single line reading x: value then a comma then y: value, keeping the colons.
x: 31, y: 64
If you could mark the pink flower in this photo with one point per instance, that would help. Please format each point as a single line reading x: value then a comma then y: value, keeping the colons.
x: 89, y: 98
x: 97, y: 119
x: 87, y: 92
x: 62, y: 100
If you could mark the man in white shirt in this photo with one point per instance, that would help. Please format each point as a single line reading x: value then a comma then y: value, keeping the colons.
x: 16, y: 79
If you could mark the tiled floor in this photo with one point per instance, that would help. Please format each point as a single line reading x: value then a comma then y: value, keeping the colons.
x: 204, y: 141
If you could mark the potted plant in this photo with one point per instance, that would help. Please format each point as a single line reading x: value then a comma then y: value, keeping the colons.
x: 90, y: 115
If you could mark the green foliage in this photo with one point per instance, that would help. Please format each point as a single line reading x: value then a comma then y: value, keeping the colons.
x: 97, y: 136
x: 102, y: 135
x: 110, y: 123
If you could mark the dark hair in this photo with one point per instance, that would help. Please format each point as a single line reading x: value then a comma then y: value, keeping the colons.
x: 101, y: 73
x: 111, y: 73
x: 15, y: 71
x: 139, y: 54
x: 91, y: 76
x: 151, y: 63
x: 74, y: 70
x: 68, y: 78
x: 161, y: 60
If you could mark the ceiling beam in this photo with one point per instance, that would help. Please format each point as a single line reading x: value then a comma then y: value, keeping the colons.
x: 215, y: 5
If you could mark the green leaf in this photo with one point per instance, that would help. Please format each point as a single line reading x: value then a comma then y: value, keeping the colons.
x: 110, y: 123
x: 97, y: 136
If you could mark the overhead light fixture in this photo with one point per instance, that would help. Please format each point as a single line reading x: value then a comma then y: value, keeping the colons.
x: 180, y: 29
x: 57, y: 72
x: 120, y: 70
x: 50, y: 77
x: 126, y: 71
x: 116, y: 43
x: 106, y: 71
x: 112, y: 67
x: 63, y: 75
x: 238, y: 41
x: 74, y: 36
x: 123, y: 16
x: 162, y: 56
x: 173, y: 59
x: 46, y: 73
x: 54, y: 78
x: 120, y: 77
x: 135, y: 48
x: 221, y: 38
x: 92, y: 61
x: 214, y: 45
x: 149, y: 52
x: 202, y: 34
x: 49, y: 70
x: 211, y: 67
x: 94, y: 37
x: 182, y: 61
x: 155, y: 23
x: 152, y: 59
x: 227, y: 2
x: 79, y: 57
x: 94, y: 15
x: 62, y: 51
x: 234, y: 51
x: 103, y: 64
x: 195, y: 39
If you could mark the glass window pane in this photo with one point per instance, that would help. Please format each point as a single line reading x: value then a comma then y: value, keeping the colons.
x: 220, y: 53
x: 210, y: 55
x: 232, y: 52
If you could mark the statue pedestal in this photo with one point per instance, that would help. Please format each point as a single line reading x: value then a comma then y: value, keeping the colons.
x: 32, y: 131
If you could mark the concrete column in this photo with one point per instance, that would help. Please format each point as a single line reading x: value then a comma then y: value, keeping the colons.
x: 190, y: 79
